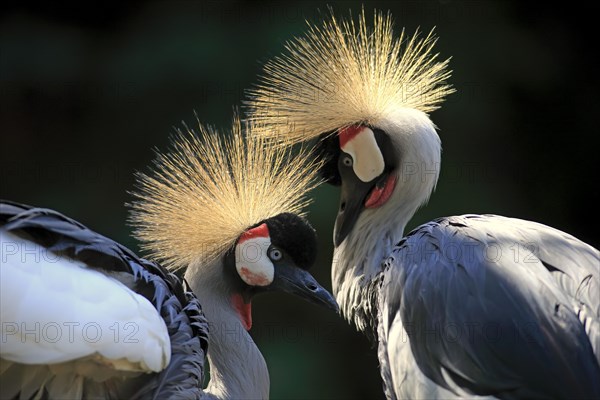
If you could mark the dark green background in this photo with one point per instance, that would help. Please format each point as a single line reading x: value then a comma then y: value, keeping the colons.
x: 86, y: 93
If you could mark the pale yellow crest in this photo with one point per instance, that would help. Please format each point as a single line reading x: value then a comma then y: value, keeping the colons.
x: 210, y: 188
x: 342, y: 73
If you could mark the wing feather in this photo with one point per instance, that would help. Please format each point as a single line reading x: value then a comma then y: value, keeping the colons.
x: 484, y: 314
x: 159, y: 295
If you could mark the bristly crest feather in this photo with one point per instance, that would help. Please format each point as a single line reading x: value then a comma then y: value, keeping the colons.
x: 209, y: 189
x: 342, y: 74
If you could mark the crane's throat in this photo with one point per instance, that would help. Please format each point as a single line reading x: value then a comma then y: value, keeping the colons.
x: 243, y: 309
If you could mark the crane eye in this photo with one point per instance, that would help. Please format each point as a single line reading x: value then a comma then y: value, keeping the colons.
x: 275, y: 254
x: 347, y: 161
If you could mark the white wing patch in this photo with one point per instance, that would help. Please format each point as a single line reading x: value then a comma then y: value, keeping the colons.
x: 55, y: 309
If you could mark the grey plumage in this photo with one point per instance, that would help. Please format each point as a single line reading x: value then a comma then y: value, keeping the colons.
x: 492, y: 306
x: 179, y: 308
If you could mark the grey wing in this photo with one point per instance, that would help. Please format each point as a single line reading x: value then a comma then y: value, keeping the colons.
x: 492, y: 306
x: 177, y: 305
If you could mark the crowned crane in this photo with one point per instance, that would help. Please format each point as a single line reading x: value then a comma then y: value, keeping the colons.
x: 227, y: 210
x: 463, y: 306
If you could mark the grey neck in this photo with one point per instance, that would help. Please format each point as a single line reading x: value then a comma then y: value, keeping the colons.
x: 357, y: 267
x: 237, y: 368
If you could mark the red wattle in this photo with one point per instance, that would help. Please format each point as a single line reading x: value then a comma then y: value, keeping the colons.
x: 243, y: 309
x: 379, y: 196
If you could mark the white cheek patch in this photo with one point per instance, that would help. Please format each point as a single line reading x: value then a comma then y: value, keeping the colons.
x: 252, y: 263
x: 360, y: 143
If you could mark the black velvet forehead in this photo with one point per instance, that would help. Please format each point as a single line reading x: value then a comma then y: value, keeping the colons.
x: 295, y: 236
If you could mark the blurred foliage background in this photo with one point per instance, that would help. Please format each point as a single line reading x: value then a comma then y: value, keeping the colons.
x: 87, y: 92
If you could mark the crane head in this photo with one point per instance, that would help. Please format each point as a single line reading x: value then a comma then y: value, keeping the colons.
x: 364, y: 94
x: 212, y: 188
x: 230, y: 208
x: 384, y: 171
x: 364, y: 162
x: 274, y: 255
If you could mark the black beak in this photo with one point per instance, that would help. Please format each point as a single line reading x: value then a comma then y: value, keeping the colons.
x: 291, y: 279
x: 352, y: 202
